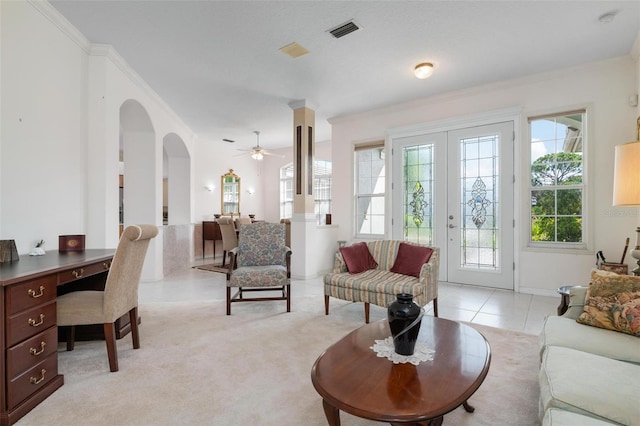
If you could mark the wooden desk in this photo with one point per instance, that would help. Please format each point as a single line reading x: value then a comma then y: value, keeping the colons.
x: 28, y: 292
x: 210, y: 232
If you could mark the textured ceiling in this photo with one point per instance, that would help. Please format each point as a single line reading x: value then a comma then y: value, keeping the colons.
x: 217, y: 64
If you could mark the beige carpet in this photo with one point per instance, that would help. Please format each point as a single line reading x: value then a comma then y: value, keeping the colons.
x: 198, y: 366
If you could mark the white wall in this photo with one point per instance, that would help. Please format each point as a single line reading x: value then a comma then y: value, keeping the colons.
x: 603, y: 87
x: 43, y: 139
x: 61, y: 98
x: 211, y: 160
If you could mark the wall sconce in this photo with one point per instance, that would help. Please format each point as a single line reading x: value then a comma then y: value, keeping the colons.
x: 210, y: 188
x: 626, y: 182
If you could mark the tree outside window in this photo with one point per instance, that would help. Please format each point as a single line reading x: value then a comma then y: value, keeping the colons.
x: 557, y: 179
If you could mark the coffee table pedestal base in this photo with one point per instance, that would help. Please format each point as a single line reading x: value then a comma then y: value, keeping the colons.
x: 333, y: 416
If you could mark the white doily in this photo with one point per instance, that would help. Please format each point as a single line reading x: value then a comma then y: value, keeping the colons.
x: 384, y: 349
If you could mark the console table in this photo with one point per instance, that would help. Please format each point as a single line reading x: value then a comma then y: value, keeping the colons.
x: 28, y: 291
x: 210, y: 232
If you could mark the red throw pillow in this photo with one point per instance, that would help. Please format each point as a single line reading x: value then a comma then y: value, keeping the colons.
x: 410, y: 259
x: 358, y: 258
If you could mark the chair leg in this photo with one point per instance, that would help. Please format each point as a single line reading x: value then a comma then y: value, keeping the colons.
x: 326, y: 304
x: 135, y: 333
x: 288, y: 297
x: 110, y: 339
x: 435, y: 307
x: 71, y: 337
x: 366, y: 312
x: 228, y: 300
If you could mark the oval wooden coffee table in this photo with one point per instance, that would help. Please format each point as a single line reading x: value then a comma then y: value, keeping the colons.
x: 351, y: 377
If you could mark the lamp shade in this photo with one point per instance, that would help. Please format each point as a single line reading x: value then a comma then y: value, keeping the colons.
x: 626, y: 175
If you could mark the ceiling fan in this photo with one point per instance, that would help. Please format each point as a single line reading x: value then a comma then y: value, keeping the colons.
x: 257, y: 153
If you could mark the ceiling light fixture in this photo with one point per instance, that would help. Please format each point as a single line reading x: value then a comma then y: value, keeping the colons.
x: 257, y: 155
x: 423, y: 70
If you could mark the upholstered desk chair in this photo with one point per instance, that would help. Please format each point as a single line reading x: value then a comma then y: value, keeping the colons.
x: 261, y: 262
x: 229, y: 236
x: 120, y: 295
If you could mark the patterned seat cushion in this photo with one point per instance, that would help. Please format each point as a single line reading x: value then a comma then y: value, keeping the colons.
x: 374, y: 286
x: 259, y: 276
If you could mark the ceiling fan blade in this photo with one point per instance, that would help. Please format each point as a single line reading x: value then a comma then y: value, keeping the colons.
x: 272, y: 154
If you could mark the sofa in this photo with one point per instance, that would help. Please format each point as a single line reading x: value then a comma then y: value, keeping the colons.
x: 376, y: 271
x: 590, y: 356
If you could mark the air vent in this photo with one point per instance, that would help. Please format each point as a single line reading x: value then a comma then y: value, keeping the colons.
x: 344, y: 29
x: 228, y: 140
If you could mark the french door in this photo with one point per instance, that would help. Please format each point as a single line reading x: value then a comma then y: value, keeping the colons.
x: 454, y: 190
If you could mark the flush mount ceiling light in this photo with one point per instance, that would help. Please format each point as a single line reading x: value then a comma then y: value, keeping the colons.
x: 423, y: 70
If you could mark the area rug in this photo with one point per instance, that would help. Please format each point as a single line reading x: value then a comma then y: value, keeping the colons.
x: 198, y: 366
x: 213, y: 267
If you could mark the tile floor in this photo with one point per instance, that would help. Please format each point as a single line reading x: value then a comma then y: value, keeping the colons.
x: 496, y: 308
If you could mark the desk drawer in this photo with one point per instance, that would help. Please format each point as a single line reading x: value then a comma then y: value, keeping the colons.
x: 86, y: 271
x: 30, y: 294
x: 32, y: 380
x: 31, y: 322
x: 30, y: 352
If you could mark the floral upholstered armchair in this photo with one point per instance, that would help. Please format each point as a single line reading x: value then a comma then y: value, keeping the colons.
x: 261, y: 262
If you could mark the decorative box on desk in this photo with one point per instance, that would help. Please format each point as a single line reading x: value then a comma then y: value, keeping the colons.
x: 70, y: 243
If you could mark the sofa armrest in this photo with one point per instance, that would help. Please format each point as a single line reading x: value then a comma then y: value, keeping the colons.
x: 430, y: 272
x: 339, y: 264
x: 576, y: 302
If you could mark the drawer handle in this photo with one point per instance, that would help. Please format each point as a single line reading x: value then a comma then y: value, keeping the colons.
x: 33, y: 322
x: 33, y: 294
x: 106, y: 265
x: 35, y: 352
x: 77, y: 273
x: 35, y: 380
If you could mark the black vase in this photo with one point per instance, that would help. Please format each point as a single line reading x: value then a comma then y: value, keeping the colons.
x: 405, y: 318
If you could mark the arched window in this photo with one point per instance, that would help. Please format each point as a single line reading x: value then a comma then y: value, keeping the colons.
x: 321, y: 190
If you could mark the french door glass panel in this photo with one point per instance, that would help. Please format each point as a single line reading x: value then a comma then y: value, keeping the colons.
x: 457, y: 194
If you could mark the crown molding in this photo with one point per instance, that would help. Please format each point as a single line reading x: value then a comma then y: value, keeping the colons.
x: 56, y: 18
x: 105, y: 50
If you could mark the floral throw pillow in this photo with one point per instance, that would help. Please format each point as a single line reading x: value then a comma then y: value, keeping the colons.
x: 613, y: 302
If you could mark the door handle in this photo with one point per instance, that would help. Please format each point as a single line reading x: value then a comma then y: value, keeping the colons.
x: 451, y: 225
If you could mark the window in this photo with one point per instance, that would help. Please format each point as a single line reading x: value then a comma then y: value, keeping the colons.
x: 557, y: 184
x: 321, y: 190
x: 370, y: 190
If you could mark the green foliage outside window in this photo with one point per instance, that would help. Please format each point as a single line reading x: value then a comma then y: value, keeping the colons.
x: 556, y: 203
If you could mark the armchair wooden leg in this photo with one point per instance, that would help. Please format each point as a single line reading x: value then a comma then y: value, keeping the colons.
x: 366, y: 312
x: 228, y: 300
x: 110, y: 340
x: 71, y: 337
x: 288, y: 297
x: 435, y: 307
x: 326, y: 304
x: 135, y: 334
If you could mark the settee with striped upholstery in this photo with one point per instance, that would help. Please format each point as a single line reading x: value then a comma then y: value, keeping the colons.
x: 380, y: 286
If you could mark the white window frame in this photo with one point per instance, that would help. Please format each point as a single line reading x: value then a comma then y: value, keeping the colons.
x: 359, y: 195
x: 321, y: 206
x: 584, y: 186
